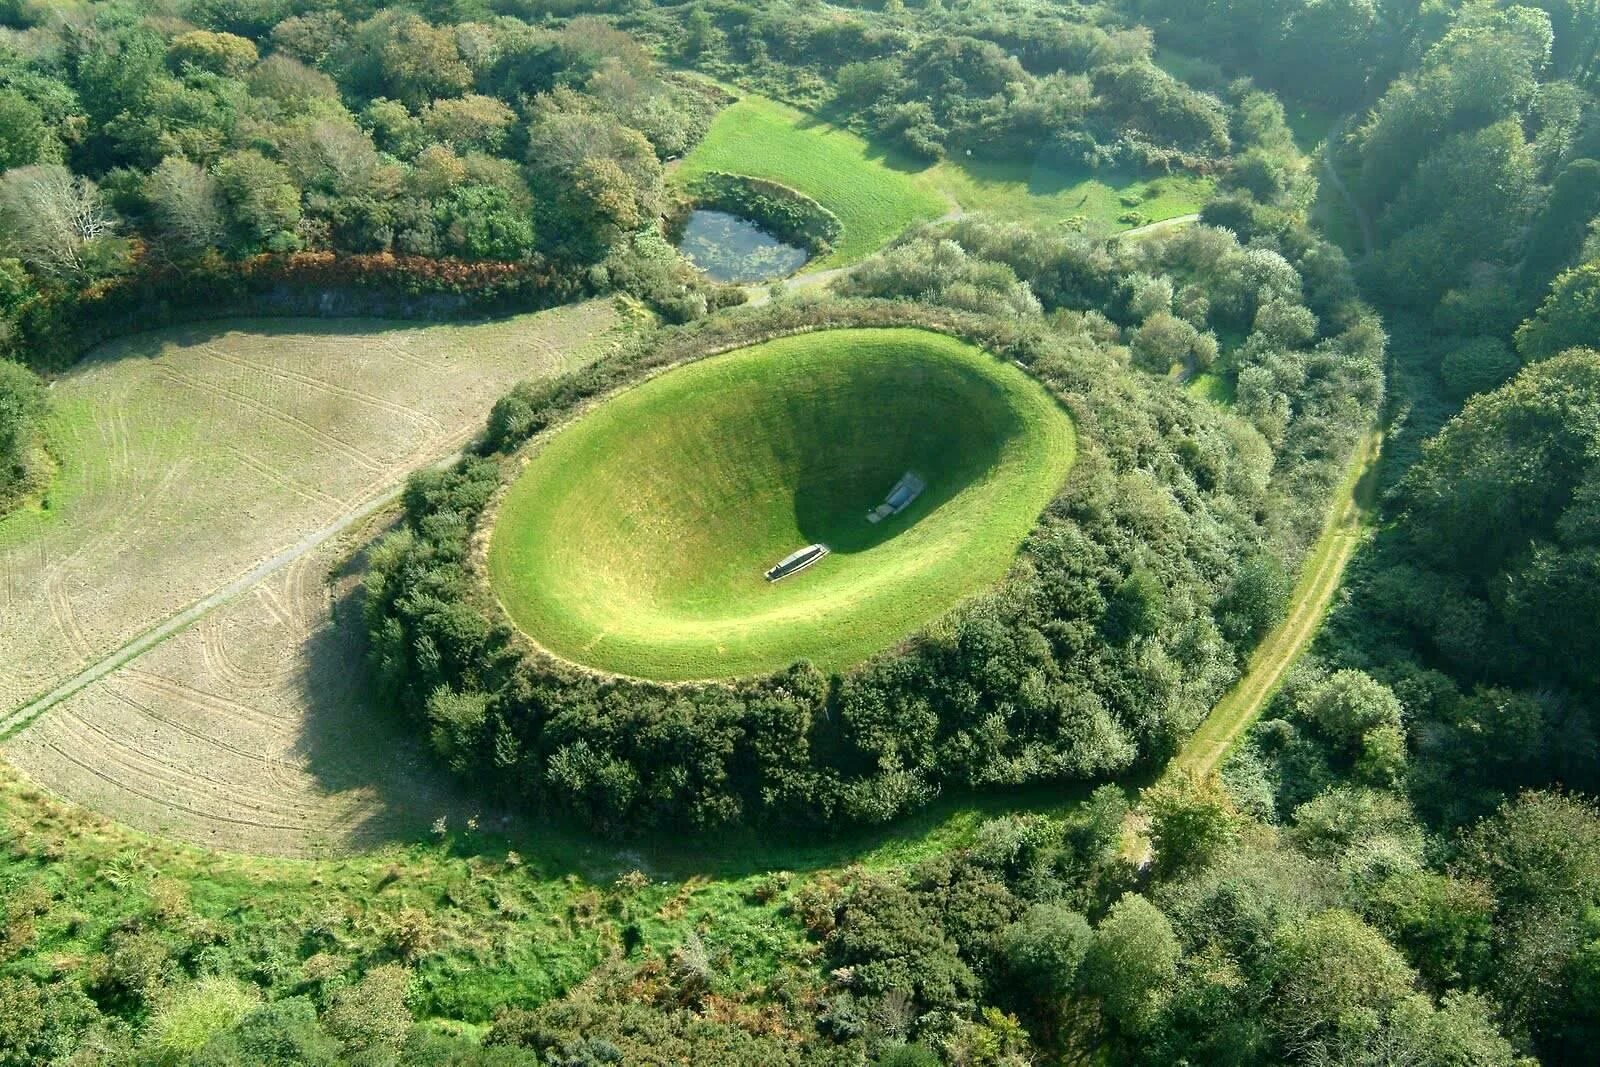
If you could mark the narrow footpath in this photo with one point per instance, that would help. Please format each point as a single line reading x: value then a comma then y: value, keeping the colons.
x: 1348, y: 519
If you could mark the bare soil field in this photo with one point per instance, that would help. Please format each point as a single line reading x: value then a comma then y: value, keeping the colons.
x: 188, y: 458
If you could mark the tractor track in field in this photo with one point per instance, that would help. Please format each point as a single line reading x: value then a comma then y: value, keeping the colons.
x: 322, y: 385
x: 181, y: 620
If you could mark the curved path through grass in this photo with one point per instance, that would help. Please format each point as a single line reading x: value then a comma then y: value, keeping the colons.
x: 636, y: 540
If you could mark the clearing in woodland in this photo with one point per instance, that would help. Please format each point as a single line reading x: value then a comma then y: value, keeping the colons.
x: 637, y: 539
x: 765, y: 139
x: 877, y: 194
x: 188, y: 457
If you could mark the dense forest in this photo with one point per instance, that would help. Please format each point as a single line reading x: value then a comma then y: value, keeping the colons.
x: 1401, y: 862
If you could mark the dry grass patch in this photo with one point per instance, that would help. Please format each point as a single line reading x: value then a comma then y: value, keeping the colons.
x: 188, y: 457
x: 251, y: 731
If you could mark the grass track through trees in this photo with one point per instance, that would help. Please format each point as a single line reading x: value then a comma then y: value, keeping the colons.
x: 1352, y: 508
x: 1320, y: 578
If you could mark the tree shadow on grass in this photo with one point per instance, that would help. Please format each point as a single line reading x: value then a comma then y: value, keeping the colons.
x: 878, y: 151
x: 350, y: 742
x: 152, y: 343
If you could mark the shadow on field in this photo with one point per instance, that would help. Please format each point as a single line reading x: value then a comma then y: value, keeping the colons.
x: 953, y: 439
x: 350, y: 742
x: 149, y: 344
x: 837, y: 519
x: 878, y: 151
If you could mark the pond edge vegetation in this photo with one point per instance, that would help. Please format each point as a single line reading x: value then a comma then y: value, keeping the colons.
x: 786, y: 213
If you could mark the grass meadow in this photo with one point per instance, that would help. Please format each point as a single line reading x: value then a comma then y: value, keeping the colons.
x: 877, y: 193
x: 873, y: 199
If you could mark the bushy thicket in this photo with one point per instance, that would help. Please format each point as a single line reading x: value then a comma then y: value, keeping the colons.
x: 22, y: 460
x: 1278, y: 319
x: 1400, y: 803
x: 161, y: 145
x: 1099, y: 650
x: 1069, y: 87
x: 54, y: 331
x: 1477, y: 602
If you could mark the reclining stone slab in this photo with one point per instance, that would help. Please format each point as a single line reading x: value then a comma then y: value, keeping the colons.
x: 904, y: 493
x: 795, y: 562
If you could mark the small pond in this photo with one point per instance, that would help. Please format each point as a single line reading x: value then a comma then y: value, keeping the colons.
x: 731, y: 249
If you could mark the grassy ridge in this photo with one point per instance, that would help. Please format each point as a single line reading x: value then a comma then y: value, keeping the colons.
x: 636, y: 540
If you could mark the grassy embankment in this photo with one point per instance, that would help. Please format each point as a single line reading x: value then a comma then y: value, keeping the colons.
x: 636, y: 540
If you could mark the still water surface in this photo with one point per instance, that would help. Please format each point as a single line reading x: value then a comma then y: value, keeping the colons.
x: 731, y: 249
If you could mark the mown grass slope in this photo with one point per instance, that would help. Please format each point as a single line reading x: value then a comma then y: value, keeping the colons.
x: 765, y: 139
x: 1039, y: 193
x: 636, y: 540
x: 877, y: 194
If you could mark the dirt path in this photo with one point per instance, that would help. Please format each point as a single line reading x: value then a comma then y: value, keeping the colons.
x: 198, y: 610
x: 1363, y: 222
x: 1319, y: 581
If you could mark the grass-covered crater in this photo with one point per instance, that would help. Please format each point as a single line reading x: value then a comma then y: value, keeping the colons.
x: 635, y: 540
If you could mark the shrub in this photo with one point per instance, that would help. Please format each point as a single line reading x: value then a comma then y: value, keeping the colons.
x: 22, y: 406
x: 1477, y: 366
x: 183, y: 1025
